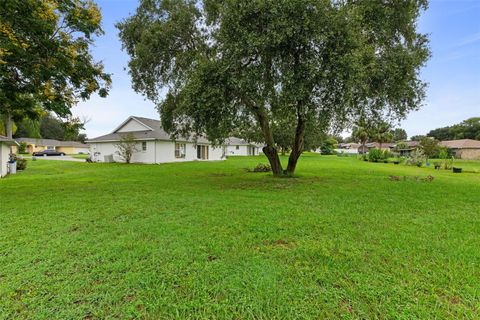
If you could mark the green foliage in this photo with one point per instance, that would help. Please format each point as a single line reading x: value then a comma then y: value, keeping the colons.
x: 328, y: 146
x: 447, y: 159
x: 375, y: 155
x: 381, y: 132
x: 21, y: 164
x: 22, y: 147
x: 49, y: 126
x: 468, y: 129
x: 430, y: 147
x: 127, y: 146
x: 416, y: 158
x: 399, y: 134
x: 240, y: 64
x: 417, y: 138
x: 262, y: 168
x: 44, y: 56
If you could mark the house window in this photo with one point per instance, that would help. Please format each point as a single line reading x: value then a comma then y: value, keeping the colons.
x: 50, y: 148
x: 180, y: 150
x: 144, y: 146
x: 237, y: 147
x: 202, y: 152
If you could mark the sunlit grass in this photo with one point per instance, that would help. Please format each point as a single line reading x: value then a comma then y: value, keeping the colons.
x: 210, y: 240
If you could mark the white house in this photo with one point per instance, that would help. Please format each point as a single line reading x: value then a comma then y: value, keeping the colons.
x: 154, y: 145
x: 5, y: 145
x: 240, y: 147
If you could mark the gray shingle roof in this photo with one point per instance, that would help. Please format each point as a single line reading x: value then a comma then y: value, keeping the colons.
x: 234, y: 141
x: 461, y: 144
x: 156, y: 134
x: 8, y: 141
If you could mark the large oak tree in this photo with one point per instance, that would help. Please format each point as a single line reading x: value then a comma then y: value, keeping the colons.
x: 213, y: 66
x: 45, y: 59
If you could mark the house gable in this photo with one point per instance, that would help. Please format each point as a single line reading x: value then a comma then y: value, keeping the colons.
x: 132, y: 125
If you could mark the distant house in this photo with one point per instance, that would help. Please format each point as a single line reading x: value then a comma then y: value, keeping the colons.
x: 378, y: 145
x: 67, y: 147
x: 5, y: 145
x: 350, y: 148
x: 154, y: 145
x: 404, y: 148
x: 240, y: 147
x: 463, y: 149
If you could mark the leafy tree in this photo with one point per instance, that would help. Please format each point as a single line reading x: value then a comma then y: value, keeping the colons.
x: 22, y: 147
x: 381, y: 132
x: 417, y: 138
x: 72, y: 127
x: 28, y: 128
x: 127, y: 146
x: 45, y: 59
x: 315, y: 63
x: 328, y: 146
x: 468, y: 129
x: 51, y: 127
x: 399, y: 134
x: 361, y: 133
x: 430, y: 147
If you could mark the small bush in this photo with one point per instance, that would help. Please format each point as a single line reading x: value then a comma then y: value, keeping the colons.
x: 22, y: 148
x: 21, y: 164
x: 416, y: 158
x: 375, y: 155
x: 262, y: 168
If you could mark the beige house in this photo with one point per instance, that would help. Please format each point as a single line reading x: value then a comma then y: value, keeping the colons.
x: 467, y: 149
x: 67, y: 147
x: 5, y: 145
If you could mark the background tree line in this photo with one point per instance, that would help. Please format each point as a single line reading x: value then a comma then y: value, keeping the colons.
x: 48, y: 126
x: 468, y: 129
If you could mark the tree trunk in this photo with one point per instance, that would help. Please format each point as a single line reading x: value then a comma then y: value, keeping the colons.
x: 8, y: 125
x: 274, y: 159
x: 270, y: 149
x: 297, y: 148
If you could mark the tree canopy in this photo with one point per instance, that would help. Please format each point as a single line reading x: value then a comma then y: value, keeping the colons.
x: 317, y: 64
x: 468, y: 129
x: 44, y: 56
x: 399, y: 134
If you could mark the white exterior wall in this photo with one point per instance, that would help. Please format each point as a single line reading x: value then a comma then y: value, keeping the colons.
x: 4, y: 157
x: 242, y: 150
x: 157, y: 152
x: 232, y: 151
x: 347, y: 151
x: 132, y: 125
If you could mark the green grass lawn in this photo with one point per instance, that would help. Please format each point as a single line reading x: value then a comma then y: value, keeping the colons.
x: 209, y: 240
x: 79, y: 156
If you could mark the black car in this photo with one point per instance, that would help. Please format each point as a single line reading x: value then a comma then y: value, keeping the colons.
x: 48, y: 153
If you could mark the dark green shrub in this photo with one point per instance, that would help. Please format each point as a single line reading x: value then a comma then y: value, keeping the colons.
x: 21, y: 164
x: 22, y: 148
x: 328, y: 146
x: 375, y: 155
x: 262, y: 168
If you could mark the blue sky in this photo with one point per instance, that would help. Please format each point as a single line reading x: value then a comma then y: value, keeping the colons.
x: 452, y: 74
